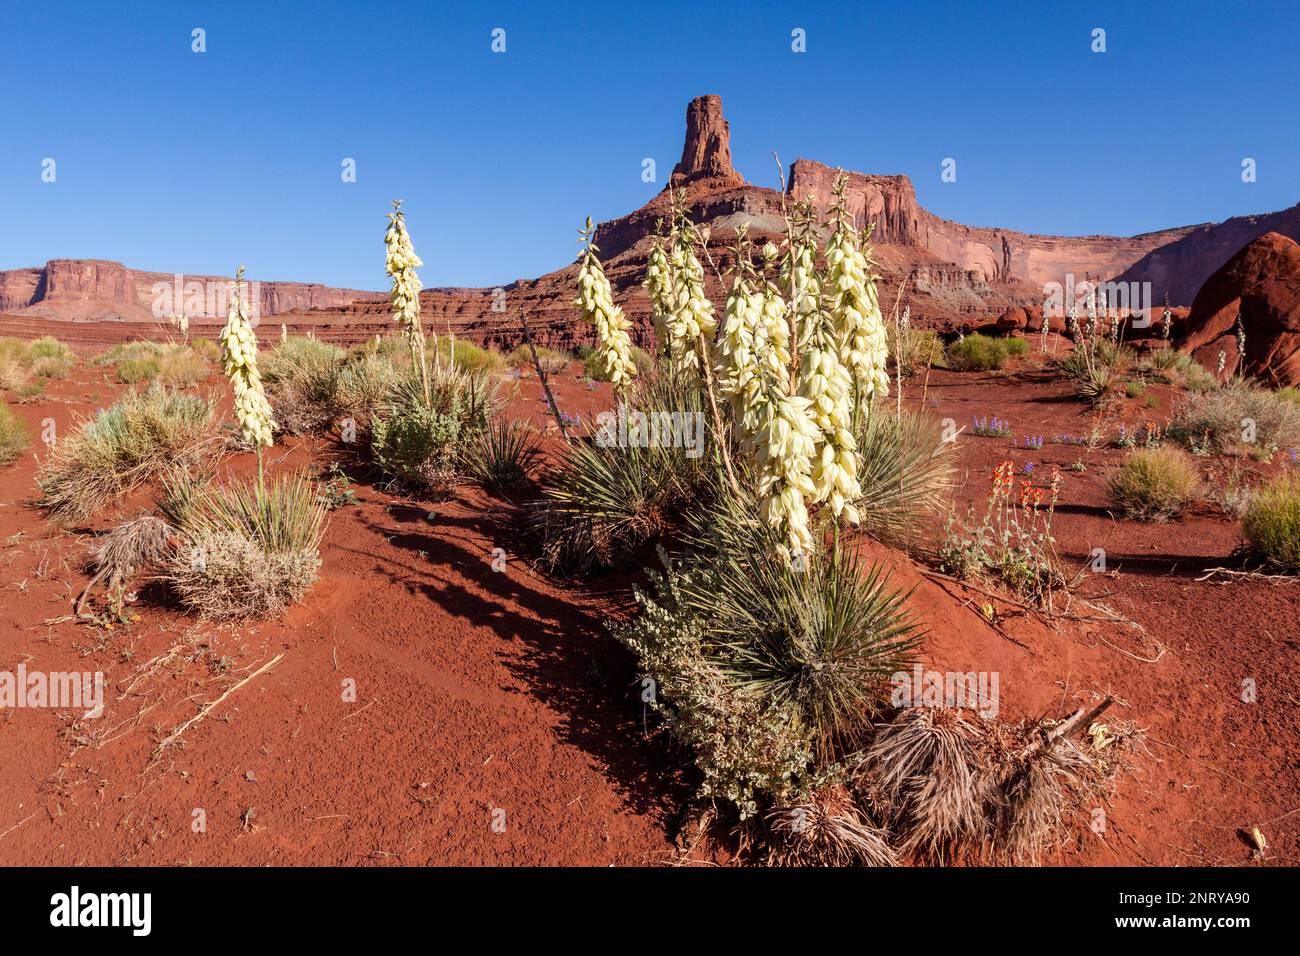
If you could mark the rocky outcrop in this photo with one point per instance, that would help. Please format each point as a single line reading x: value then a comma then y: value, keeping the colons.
x: 1260, y: 286
x: 1181, y: 267
x: 706, y: 152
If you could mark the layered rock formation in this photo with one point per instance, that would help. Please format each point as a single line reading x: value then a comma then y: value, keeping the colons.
x: 950, y: 274
x: 1260, y: 286
x: 89, y: 290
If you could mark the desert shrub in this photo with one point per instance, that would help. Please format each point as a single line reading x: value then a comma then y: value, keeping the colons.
x: 977, y: 353
x: 913, y: 350
x: 905, y: 471
x: 47, y: 346
x: 608, y: 498
x: 1015, y: 347
x: 29, y: 391
x: 1195, y: 376
x: 366, y: 380
x: 1155, y: 484
x: 1238, y: 419
x: 421, y: 441
x: 1134, y: 389
x: 121, y: 448
x: 552, y: 361
x: 249, y: 550
x: 135, y: 370
x: 1272, y: 522
x: 206, y: 349
x: 14, y: 437
x: 1291, y: 395
x: 592, y: 367
x: 469, y: 356
x: 13, y: 374
x: 303, y: 378
x: 504, y: 454
x: 1162, y: 360
x: 51, y: 366
x: 41, y: 358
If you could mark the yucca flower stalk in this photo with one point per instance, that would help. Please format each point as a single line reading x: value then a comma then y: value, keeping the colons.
x: 614, y: 344
x: 772, y: 330
x: 799, y: 276
x: 783, y: 441
x: 855, y: 309
x: 659, y: 284
x: 690, y: 321
x: 239, y: 359
x: 401, y: 264
x: 736, y: 367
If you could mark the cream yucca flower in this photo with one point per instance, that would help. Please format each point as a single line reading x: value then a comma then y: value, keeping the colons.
x: 784, y: 441
x: 659, y: 284
x: 614, y: 344
x: 239, y: 358
x: 855, y: 310
x: 825, y: 382
x: 401, y: 265
x: 736, y: 368
x: 772, y: 330
x: 690, y: 320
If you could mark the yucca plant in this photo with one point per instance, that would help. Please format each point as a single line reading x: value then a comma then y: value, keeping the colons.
x: 906, y: 473
x: 121, y: 448
x: 504, y: 455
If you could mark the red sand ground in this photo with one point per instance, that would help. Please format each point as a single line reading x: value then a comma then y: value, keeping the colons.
x: 480, y: 691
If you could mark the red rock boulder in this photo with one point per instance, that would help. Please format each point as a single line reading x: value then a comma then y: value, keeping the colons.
x: 1261, y: 286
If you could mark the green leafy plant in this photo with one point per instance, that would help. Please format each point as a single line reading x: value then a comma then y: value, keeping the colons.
x: 977, y: 353
x: 905, y: 471
x: 504, y: 455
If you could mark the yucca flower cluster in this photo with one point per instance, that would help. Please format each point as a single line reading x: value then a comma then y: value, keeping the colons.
x: 614, y: 344
x: 239, y: 358
x: 772, y: 329
x: 736, y: 370
x: 855, y: 309
x: 690, y: 322
x: 401, y: 264
x: 659, y: 284
x: 783, y: 442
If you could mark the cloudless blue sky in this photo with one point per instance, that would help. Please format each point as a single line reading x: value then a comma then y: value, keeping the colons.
x: 173, y: 160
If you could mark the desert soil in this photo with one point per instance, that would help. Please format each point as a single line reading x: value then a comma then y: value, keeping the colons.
x: 496, y: 722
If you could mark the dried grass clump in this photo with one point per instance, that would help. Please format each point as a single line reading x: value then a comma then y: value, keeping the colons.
x: 249, y: 550
x: 14, y: 438
x: 1155, y: 484
x: 131, y: 548
x: 121, y: 448
x: 924, y: 769
x: 180, y: 364
x: 40, y: 359
x: 826, y: 829
x: 551, y: 360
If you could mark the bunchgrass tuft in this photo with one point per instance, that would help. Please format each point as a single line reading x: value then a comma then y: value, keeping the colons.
x: 250, y: 549
x: 1272, y: 522
x: 977, y: 352
x: 1155, y: 484
x: 14, y: 438
x: 121, y: 448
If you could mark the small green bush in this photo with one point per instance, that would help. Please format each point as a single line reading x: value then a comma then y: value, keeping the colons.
x: 1272, y: 522
x: 977, y: 353
x: 14, y: 438
x: 470, y: 356
x: 552, y: 361
x: 1015, y: 347
x: 134, y: 370
x: 1155, y: 484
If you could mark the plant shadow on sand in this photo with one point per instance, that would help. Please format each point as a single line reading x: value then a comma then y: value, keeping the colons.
x: 556, y: 647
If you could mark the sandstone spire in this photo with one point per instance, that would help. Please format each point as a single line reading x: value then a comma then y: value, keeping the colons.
x: 706, y: 154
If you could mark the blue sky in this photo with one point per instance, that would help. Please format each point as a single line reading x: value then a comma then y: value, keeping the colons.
x: 173, y: 160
